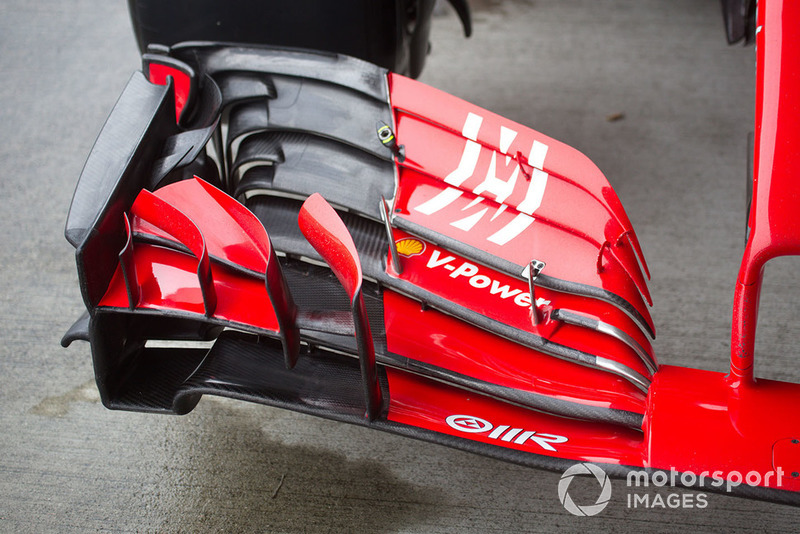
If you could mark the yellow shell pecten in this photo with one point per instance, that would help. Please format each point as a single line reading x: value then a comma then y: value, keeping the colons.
x: 409, y: 246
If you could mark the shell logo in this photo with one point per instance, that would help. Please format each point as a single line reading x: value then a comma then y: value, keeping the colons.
x: 409, y: 246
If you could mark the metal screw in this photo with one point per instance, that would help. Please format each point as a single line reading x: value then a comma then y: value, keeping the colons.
x: 796, y: 441
x: 795, y: 474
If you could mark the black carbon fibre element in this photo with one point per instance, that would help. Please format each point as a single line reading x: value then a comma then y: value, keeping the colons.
x: 184, y: 148
x: 334, y: 97
x: 325, y: 109
x: 123, y: 366
x: 326, y: 232
x: 245, y: 367
x: 208, y: 104
x: 118, y: 167
x: 279, y: 217
x: 78, y: 331
x: 305, y: 164
x: 325, y: 320
x: 264, y: 148
x: 244, y: 119
x: 512, y: 269
x: 153, y: 381
x: 349, y: 72
x: 128, y: 267
x: 255, y: 179
x: 161, y: 58
x: 509, y: 332
x: 332, y: 322
x: 578, y: 319
x: 236, y: 367
x: 323, y: 384
x: 519, y: 397
x: 120, y: 144
x: 240, y: 87
x: 307, y: 114
x: 180, y: 150
x: 316, y: 288
x: 491, y: 325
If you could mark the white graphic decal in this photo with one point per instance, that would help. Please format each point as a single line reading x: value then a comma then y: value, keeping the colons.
x: 469, y: 424
x: 435, y: 260
x: 500, y: 210
x: 538, y: 152
x: 533, y: 198
x: 517, y: 225
x: 477, y: 280
x: 442, y: 200
x: 467, y: 223
x: 493, y: 186
x: 472, y: 150
x: 476, y: 425
x: 501, y: 189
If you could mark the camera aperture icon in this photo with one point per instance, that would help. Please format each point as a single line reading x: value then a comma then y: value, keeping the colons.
x: 584, y: 469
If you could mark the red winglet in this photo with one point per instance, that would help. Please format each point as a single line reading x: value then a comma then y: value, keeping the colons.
x: 326, y: 232
x: 159, y: 213
x: 245, y: 243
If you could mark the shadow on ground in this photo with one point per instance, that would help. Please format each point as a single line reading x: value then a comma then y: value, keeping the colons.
x: 229, y: 475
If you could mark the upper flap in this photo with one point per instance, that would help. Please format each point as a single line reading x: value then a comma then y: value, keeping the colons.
x: 505, y: 195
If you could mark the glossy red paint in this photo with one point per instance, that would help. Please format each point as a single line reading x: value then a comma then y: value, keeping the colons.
x: 426, y: 404
x: 507, y: 300
x: 244, y: 242
x: 437, y: 339
x: 159, y: 74
x: 514, y: 178
x: 169, y: 279
x: 490, y: 183
x: 326, y: 232
x: 494, y: 185
x: 697, y: 422
x: 160, y: 214
x: 558, y: 160
x: 168, y: 282
x: 774, y: 222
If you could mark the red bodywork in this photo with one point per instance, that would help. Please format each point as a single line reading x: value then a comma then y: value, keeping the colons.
x: 479, y: 203
x: 774, y: 223
x: 701, y: 421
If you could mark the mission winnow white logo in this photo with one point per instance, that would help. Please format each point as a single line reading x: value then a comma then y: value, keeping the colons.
x: 499, y: 188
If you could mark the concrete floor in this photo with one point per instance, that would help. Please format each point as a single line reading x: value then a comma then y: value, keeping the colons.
x: 677, y: 159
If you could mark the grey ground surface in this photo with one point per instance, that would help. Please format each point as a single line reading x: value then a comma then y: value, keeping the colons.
x: 677, y: 159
